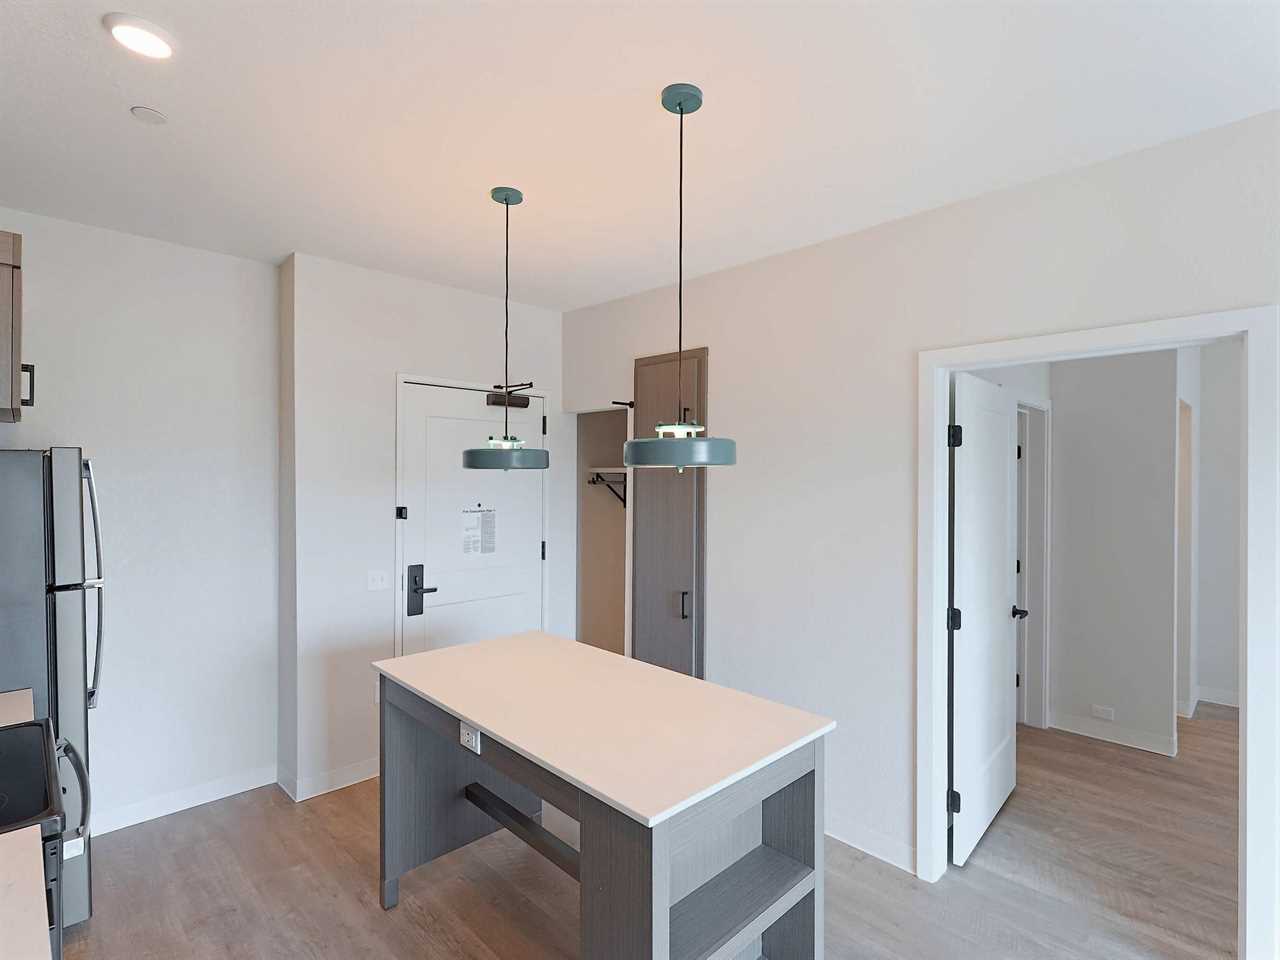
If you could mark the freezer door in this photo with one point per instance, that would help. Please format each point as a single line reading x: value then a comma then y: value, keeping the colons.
x: 67, y: 515
x: 25, y: 636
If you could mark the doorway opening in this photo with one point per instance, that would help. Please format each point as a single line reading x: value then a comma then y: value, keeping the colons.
x: 1259, y: 407
x: 602, y: 530
x: 1032, y: 564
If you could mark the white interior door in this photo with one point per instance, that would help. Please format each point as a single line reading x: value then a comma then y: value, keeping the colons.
x: 478, y: 534
x: 984, y: 695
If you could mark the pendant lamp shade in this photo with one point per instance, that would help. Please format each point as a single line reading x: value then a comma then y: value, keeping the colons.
x: 680, y: 444
x: 507, y: 452
x: 505, y: 458
x: 680, y: 452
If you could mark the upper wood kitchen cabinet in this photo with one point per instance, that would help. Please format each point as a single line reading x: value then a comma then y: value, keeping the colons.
x: 12, y: 368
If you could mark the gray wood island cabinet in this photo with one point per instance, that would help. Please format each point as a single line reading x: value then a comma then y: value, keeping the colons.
x: 700, y: 808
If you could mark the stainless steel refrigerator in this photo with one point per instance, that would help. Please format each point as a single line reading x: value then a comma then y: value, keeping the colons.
x: 45, y: 614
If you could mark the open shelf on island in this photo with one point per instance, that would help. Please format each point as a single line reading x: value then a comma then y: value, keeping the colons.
x: 726, y: 913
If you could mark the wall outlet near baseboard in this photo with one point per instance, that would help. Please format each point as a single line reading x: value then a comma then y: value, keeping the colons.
x: 1103, y: 713
x: 469, y: 737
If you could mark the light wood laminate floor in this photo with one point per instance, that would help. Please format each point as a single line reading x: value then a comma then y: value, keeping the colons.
x: 1102, y: 852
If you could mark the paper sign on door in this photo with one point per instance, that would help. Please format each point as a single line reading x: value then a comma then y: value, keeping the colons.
x: 479, y: 530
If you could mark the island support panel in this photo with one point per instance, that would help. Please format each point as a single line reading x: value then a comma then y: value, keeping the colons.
x: 424, y: 773
x: 736, y: 876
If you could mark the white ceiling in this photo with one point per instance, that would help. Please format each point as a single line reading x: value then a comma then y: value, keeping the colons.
x: 370, y: 131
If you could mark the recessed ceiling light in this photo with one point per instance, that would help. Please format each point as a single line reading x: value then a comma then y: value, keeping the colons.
x: 140, y: 36
x: 149, y: 115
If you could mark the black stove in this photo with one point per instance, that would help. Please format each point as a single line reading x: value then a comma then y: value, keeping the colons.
x: 29, y: 791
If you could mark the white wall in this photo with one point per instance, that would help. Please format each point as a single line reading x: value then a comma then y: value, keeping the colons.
x: 1222, y: 454
x: 160, y: 361
x: 813, y: 358
x: 353, y: 330
x: 1112, y: 629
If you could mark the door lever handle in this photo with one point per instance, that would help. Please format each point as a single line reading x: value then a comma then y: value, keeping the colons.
x: 1018, y: 613
x: 415, y: 591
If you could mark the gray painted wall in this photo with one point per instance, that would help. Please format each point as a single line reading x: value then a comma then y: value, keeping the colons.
x: 1112, y: 640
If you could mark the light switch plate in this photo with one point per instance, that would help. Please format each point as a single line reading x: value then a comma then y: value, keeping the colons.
x: 469, y: 737
x: 379, y: 580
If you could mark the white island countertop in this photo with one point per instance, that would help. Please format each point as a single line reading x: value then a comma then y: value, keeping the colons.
x: 647, y: 741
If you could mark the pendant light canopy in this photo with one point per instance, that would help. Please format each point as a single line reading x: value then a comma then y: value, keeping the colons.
x: 507, y: 452
x: 680, y: 444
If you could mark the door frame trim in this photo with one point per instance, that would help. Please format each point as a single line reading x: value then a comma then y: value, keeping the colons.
x: 1044, y: 561
x: 403, y: 382
x: 1259, y: 845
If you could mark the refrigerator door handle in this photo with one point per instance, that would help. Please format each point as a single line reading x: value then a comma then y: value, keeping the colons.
x: 82, y: 775
x: 96, y: 584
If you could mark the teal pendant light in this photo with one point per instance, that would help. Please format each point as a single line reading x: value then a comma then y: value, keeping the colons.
x: 682, y: 443
x: 507, y: 452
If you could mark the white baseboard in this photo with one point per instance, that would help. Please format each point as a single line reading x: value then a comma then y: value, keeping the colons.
x: 1188, y: 709
x: 876, y: 844
x: 307, y: 787
x: 1126, y: 737
x: 1227, y: 698
x: 116, y: 818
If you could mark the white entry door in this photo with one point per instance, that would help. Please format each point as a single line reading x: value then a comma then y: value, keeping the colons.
x: 983, y: 691
x: 477, y: 534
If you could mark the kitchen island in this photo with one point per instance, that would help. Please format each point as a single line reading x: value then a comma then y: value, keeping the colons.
x: 700, y: 808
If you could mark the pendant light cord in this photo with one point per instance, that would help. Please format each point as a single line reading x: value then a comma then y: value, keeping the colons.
x: 506, y: 324
x: 680, y: 285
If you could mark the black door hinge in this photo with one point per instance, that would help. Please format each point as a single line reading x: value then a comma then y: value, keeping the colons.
x: 953, y: 618
x: 1019, y: 451
x: 544, y: 425
x: 955, y: 435
x: 1017, y: 679
x: 402, y: 513
x: 953, y: 801
x: 544, y: 549
x: 1017, y: 566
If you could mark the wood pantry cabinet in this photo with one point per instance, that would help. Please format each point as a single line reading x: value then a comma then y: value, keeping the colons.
x: 12, y: 399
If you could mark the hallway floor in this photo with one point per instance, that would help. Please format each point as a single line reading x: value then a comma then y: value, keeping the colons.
x: 1102, y: 852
